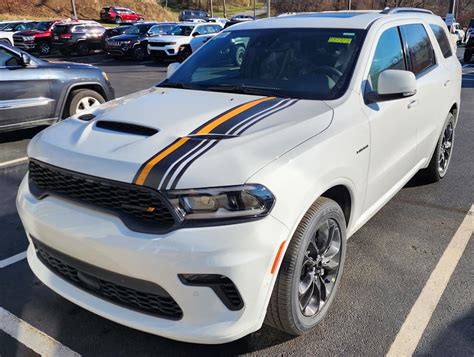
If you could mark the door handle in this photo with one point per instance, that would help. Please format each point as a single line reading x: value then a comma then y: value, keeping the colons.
x: 412, y: 104
x: 447, y: 83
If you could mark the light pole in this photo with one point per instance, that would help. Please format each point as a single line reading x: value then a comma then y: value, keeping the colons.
x: 254, y: 9
x: 350, y: 4
x: 73, y: 3
x: 269, y: 12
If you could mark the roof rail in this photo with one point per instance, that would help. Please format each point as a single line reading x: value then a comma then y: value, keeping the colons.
x: 397, y: 10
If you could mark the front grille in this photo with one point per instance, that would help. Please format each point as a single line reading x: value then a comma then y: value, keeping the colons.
x: 160, y: 44
x: 18, y: 40
x: 140, y: 208
x: 114, y: 43
x: 162, y: 304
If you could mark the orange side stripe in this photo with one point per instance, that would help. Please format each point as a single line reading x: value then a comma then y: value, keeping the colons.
x: 277, y: 258
x: 212, y: 125
x: 146, y: 170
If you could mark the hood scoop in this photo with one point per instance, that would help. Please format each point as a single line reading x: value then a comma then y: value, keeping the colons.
x: 126, y: 128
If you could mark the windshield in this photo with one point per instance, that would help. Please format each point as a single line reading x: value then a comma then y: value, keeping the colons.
x: 294, y: 63
x: 43, y: 25
x: 181, y: 30
x: 134, y: 30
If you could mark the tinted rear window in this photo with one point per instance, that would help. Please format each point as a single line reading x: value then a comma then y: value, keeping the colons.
x: 420, y: 51
x: 442, y: 40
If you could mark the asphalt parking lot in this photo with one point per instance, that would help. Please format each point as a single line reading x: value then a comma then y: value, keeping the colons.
x: 389, y: 263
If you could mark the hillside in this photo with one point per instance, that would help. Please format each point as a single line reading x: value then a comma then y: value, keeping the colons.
x: 86, y: 9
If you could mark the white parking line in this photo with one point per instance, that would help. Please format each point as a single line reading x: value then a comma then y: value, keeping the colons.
x: 31, y: 337
x: 12, y: 260
x: 12, y: 162
x: 415, y: 324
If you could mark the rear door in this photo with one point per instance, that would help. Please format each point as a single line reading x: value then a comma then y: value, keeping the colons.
x: 430, y: 106
x: 25, y: 93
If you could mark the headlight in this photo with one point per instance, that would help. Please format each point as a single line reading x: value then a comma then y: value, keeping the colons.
x: 106, y: 77
x: 125, y: 43
x: 222, y: 203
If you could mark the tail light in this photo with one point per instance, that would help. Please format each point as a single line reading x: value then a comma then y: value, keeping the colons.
x: 66, y: 35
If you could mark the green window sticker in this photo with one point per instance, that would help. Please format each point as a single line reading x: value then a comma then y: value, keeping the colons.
x: 347, y: 41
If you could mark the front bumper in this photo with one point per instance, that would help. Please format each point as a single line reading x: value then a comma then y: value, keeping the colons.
x: 163, y: 51
x: 243, y: 253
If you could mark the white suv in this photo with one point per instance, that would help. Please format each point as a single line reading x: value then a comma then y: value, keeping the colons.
x: 176, y: 44
x: 224, y: 196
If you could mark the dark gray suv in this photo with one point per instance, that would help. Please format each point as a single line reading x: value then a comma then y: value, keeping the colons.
x: 37, y: 92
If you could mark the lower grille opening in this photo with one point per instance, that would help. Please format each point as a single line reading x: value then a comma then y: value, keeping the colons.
x: 224, y: 288
x: 135, y: 294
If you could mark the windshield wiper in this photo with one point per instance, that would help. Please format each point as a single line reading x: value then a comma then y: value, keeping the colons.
x: 243, y: 90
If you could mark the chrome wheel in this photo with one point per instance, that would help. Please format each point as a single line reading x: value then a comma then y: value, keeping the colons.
x: 86, y: 103
x: 445, y: 149
x: 320, y: 268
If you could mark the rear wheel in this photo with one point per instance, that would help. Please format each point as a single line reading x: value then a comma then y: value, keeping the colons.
x: 310, y: 272
x: 467, y: 56
x: 82, y: 100
x: 44, y: 48
x: 139, y: 53
x: 441, y: 158
x: 82, y: 49
x: 118, y: 20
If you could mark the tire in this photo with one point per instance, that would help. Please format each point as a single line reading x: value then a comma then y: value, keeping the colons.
x: 467, y: 56
x: 6, y: 41
x: 184, y: 53
x: 239, y: 55
x: 434, y: 172
x: 77, y: 96
x: 44, y: 48
x: 284, y: 310
x: 82, y: 49
x: 139, y: 53
x: 118, y: 20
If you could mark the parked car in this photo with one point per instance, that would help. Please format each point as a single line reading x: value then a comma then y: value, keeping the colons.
x: 10, y: 29
x: 133, y: 42
x: 220, y: 20
x: 235, y: 22
x: 37, y: 92
x: 201, y: 223
x: 189, y: 15
x: 242, y: 18
x: 469, y: 50
x: 119, y: 15
x: 470, y: 30
x: 37, y: 39
x: 458, y: 31
x: 176, y: 45
x: 77, y: 36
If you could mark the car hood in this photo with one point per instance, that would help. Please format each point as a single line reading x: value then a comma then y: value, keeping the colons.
x: 126, y: 37
x: 29, y: 33
x: 169, y: 38
x: 192, y: 146
x: 68, y: 65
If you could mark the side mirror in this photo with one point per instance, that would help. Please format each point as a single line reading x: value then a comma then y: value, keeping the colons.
x: 196, y: 34
x: 172, y: 68
x: 25, y: 59
x: 393, y: 84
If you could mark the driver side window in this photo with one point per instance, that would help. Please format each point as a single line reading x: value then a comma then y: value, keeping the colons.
x: 8, y: 59
x: 388, y: 55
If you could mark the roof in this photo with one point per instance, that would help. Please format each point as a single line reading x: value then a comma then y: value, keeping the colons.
x: 334, y: 19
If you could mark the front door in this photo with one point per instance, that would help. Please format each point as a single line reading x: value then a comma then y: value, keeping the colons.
x: 25, y: 94
x: 392, y: 124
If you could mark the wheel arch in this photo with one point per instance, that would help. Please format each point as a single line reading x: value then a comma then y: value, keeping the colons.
x: 95, y: 86
x: 454, y: 110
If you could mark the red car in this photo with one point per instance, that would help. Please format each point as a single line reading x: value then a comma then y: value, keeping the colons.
x: 37, y: 39
x: 119, y: 15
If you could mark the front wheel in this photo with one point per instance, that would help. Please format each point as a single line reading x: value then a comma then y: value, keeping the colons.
x: 310, y: 272
x: 81, y: 100
x: 139, y: 53
x: 184, y: 53
x: 82, y: 49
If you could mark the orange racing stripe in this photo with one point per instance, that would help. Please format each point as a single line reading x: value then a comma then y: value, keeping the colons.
x: 140, y: 180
